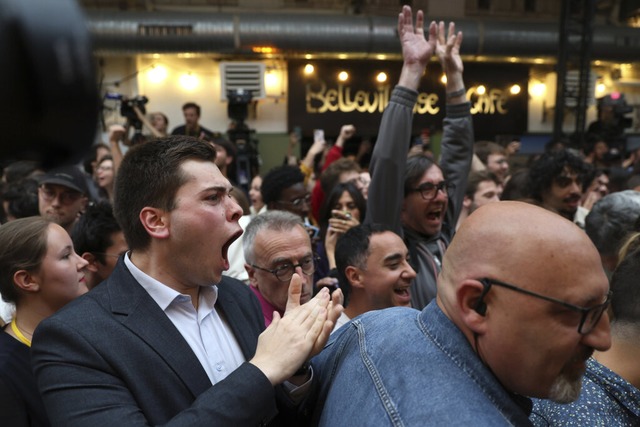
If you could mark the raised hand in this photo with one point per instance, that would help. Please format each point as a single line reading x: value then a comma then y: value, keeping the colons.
x: 347, y: 131
x: 448, y: 50
x: 293, y: 339
x: 416, y: 50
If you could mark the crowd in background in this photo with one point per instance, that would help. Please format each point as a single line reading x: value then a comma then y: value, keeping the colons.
x: 377, y: 223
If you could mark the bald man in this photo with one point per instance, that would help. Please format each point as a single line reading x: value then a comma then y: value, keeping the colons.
x: 521, y: 306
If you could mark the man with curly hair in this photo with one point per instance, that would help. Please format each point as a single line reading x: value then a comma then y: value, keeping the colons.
x: 556, y: 182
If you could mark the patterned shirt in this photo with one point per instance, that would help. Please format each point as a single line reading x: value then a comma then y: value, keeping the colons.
x: 606, y: 400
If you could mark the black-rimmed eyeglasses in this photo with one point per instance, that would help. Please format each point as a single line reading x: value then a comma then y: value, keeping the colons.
x: 590, y: 316
x: 298, y: 202
x: 429, y: 190
x: 284, y: 272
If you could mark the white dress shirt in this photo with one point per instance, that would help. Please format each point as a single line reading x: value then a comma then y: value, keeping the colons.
x: 208, y: 335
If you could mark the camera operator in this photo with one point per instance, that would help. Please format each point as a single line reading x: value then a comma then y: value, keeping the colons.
x: 158, y: 124
x: 132, y: 109
x: 191, y: 127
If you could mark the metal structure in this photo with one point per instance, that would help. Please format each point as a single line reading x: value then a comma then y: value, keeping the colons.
x: 574, y: 65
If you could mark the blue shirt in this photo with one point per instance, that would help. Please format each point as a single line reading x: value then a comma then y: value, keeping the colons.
x: 403, y: 367
x: 606, y: 399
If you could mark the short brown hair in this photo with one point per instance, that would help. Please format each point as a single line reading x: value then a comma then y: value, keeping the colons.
x: 150, y: 175
x: 482, y: 149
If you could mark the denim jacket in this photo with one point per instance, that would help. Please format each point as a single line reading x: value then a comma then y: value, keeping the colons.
x: 403, y: 367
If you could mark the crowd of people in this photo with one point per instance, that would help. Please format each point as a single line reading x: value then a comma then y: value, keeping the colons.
x: 407, y: 290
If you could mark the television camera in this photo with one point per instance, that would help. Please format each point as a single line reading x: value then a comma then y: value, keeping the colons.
x: 127, y: 111
x: 247, y: 156
x: 49, y: 82
x: 612, y: 121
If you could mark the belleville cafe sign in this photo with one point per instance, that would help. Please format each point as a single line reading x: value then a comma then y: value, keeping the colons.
x: 321, y: 101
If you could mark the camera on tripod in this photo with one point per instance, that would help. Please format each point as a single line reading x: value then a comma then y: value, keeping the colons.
x: 247, y: 158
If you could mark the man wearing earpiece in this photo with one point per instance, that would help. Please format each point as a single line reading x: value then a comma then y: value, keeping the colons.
x: 520, y: 307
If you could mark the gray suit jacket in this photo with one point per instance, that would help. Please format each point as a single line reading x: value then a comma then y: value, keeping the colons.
x: 113, y: 358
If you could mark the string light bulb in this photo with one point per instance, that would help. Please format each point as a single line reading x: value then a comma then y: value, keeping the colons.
x: 538, y: 89
x: 157, y: 74
x: 309, y: 69
x: 381, y: 77
x: 189, y: 81
x: 343, y: 76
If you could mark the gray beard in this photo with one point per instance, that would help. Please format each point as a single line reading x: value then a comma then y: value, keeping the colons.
x: 565, y: 389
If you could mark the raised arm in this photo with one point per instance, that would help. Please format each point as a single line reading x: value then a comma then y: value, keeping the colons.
x: 155, y: 132
x: 457, y: 137
x: 386, y: 191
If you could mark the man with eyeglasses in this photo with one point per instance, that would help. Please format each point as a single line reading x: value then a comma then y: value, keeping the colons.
x: 508, y: 323
x: 610, y: 393
x: 283, y: 189
x: 62, y: 196
x: 419, y: 199
x: 276, y: 245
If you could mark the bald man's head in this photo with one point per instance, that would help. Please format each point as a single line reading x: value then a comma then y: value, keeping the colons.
x: 515, y: 237
x: 529, y: 343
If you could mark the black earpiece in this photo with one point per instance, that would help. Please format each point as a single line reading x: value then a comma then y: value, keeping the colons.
x: 481, y: 306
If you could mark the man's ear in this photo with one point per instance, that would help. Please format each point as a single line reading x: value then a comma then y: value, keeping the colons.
x: 471, y: 299
x: 25, y: 281
x: 252, y: 275
x: 354, y: 276
x: 155, y: 221
x: 466, y: 202
x: 85, y: 202
x: 92, y: 267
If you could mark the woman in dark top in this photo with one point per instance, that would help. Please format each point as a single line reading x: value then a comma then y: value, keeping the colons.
x: 345, y: 207
x: 39, y: 273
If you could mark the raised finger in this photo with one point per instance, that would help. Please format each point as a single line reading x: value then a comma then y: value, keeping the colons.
x: 458, y: 40
x: 420, y: 22
x: 295, y: 290
x: 441, y: 33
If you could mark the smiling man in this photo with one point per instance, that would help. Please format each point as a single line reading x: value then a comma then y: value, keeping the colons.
x: 373, y: 270
x: 165, y: 340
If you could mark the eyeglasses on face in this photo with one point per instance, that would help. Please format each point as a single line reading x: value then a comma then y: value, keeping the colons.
x: 590, y: 316
x: 429, y: 190
x: 66, y: 197
x: 305, y: 200
x: 284, y: 272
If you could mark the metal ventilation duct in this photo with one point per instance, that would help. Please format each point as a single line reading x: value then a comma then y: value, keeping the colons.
x: 236, y: 34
